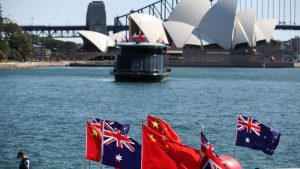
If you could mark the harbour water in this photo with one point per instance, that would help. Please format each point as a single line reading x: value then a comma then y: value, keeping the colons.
x: 43, y: 111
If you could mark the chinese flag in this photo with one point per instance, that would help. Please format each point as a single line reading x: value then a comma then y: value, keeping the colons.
x: 163, y: 128
x: 186, y: 156
x: 159, y: 152
x: 93, y: 142
x: 153, y: 154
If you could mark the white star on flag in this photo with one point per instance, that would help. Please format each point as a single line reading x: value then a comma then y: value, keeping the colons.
x: 118, y: 157
x: 247, y: 140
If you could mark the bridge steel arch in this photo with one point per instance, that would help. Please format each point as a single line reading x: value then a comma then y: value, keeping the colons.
x: 161, y: 9
x: 285, y: 11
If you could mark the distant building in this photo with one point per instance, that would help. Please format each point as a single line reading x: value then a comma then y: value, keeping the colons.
x: 41, y: 53
x: 47, y: 54
x: 296, y: 44
x: 194, y: 23
x: 96, y: 17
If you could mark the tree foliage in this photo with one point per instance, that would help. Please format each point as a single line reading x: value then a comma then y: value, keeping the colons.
x: 4, y: 48
x: 58, y: 46
x: 14, y: 44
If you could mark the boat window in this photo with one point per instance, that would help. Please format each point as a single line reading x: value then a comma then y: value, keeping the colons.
x: 150, y: 59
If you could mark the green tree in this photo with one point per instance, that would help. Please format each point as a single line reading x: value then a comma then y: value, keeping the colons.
x: 20, y: 43
x: 0, y: 10
x: 59, y: 46
x: 4, y: 48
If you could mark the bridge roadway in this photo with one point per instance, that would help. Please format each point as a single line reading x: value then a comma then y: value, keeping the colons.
x: 63, y: 31
x: 71, y: 31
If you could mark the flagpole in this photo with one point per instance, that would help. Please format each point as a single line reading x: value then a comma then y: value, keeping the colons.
x: 234, y: 152
x: 102, y: 138
x: 142, y: 146
x: 86, y: 130
x: 201, y: 138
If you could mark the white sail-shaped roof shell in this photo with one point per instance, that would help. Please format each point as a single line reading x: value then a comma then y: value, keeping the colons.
x: 199, y: 39
x: 101, y: 41
x: 178, y: 31
x: 218, y: 23
x: 244, y: 28
x: 239, y: 35
x: 151, y: 27
x: 259, y: 36
x: 189, y: 11
x: 266, y: 27
x: 118, y: 37
x: 193, y: 40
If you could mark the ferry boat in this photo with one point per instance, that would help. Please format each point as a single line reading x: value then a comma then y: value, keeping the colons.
x: 141, y: 62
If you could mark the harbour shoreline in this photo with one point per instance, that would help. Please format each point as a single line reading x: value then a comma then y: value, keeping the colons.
x: 24, y: 65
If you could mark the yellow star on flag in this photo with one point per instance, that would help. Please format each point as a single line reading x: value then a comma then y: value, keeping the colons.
x: 167, y: 146
x: 164, y: 139
x: 152, y: 137
x: 94, y: 132
x: 155, y: 124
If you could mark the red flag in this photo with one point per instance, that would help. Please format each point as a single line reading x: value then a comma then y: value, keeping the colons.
x: 186, y: 156
x: 153, y: 154
x: 141, y: 37
x: 160, y: 152
x: 93, y: 142
x: 163, y: 127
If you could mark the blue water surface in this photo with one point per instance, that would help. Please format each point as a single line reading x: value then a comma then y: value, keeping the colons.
x: 43, y: 111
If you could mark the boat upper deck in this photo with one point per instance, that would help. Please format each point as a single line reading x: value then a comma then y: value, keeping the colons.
x: 141, y: 44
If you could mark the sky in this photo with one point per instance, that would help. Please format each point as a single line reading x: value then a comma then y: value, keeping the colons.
x: 73, y: 12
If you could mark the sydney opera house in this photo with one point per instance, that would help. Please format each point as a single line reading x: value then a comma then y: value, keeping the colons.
x: 203, y: 35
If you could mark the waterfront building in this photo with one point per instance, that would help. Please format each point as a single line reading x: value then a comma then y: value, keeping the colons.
x: 47, y: 54
x: 150, y: 26
x: 296, y: 44
x: 41, y: 52
x: 95, y: 40
x: 218, y: 25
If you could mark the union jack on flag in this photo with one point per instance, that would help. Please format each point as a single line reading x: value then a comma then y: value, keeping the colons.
x: 114, y: 135
x: 249, y: 124
x: 124, y: 128
x: 119, y: 150
x: 255, y: 135
x: 209, y: 159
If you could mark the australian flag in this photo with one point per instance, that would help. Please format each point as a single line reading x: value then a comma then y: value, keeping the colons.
x: 255, y: 135
x: 124, y: 128
x: 119, y: 150
x: 209, y: 159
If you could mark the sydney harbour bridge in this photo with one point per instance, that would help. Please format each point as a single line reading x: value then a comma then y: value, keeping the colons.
x: 284, y: 11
